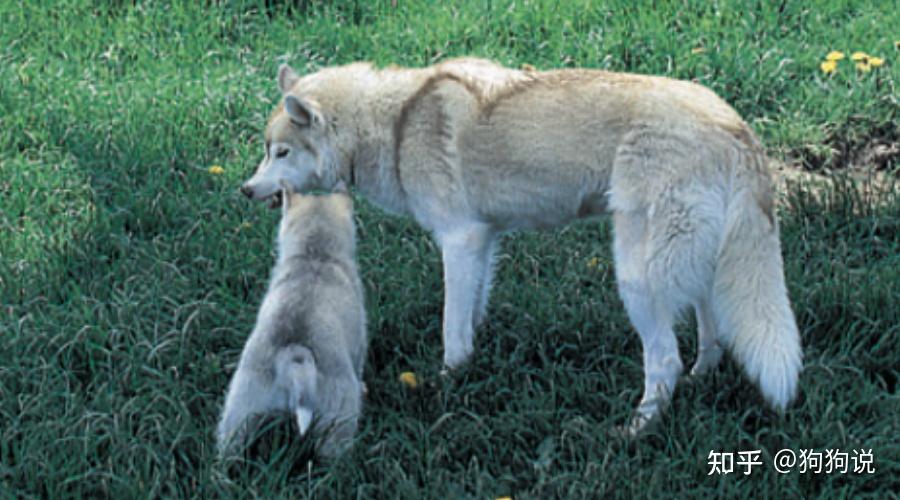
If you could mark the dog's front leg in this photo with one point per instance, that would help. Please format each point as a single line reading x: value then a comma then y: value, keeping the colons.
x: 466, y: 254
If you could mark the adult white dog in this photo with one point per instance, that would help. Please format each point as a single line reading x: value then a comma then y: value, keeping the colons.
x: 471, y: 149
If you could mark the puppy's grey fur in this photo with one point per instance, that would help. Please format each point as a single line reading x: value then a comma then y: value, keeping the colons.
x: 307, y: 351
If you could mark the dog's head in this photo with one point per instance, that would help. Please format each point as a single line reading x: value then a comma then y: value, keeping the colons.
x: 298, y: 147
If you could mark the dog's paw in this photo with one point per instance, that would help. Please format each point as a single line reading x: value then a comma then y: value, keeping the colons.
x: 707, y: 360
x: 637, y: 426
x: 456, y: 359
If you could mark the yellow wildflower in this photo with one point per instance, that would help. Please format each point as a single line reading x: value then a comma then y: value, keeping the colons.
x: 409, y: 379
x: 876, y: 61
x: 216, y: 170
x: 828, y: 67
x: 592, y: 262
x: 864, y: 66
x: 859, y: 56
x: 834, y: 55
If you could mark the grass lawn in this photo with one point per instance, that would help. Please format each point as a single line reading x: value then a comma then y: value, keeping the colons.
x: 130, y: 274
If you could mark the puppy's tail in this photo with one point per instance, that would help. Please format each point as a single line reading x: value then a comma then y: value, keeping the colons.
x: 750, y: 302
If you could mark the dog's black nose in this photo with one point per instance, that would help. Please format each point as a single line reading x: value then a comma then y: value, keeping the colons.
x: 247, y: 190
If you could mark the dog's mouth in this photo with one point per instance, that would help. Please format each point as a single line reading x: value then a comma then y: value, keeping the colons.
x: 274, y: 201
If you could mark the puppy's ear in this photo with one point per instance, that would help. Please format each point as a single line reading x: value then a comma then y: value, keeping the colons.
x: 286, y: 78
x: 301, y: 112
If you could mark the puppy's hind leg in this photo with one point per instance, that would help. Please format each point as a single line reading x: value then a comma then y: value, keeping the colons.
x: 246, y: 396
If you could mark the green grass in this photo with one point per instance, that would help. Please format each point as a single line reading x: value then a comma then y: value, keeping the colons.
x: 130, y: 276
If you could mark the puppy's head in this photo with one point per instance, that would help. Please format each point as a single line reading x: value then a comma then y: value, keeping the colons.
x: 323, y: 219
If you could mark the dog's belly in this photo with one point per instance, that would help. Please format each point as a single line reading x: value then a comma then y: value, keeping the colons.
x: 536, y: 187
x: 520, y: 198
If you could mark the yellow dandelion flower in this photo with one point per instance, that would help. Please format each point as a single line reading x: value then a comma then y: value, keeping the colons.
x: 698, y: 50
x: 876, y: 62
x: 864, y: 66
x: 592, y: 262
x: 828, y: 67
x: 243, y: 226
x: 409, y: 379
x: 216, y: 170
x: 859, y: 56
x: 834, y: 55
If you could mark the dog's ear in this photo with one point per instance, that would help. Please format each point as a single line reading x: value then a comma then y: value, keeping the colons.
x: 286, y: 78
x: 301, y: 112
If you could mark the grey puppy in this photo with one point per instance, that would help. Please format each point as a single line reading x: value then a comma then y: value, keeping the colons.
x: 307, y: 350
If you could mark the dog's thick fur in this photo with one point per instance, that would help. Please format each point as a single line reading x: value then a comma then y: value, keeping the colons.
x: 471, y: 149
x: 306, y: 353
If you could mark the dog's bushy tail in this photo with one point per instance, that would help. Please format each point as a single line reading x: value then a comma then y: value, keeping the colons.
x: 750, y: 302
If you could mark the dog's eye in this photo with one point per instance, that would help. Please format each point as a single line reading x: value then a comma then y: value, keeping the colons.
x: 281, y: 153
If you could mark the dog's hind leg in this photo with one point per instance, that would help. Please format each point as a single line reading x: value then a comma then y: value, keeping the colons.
x: 709, y: 352
x: 651, y: 312
x: 466, y: 257
x: 484, y: 285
